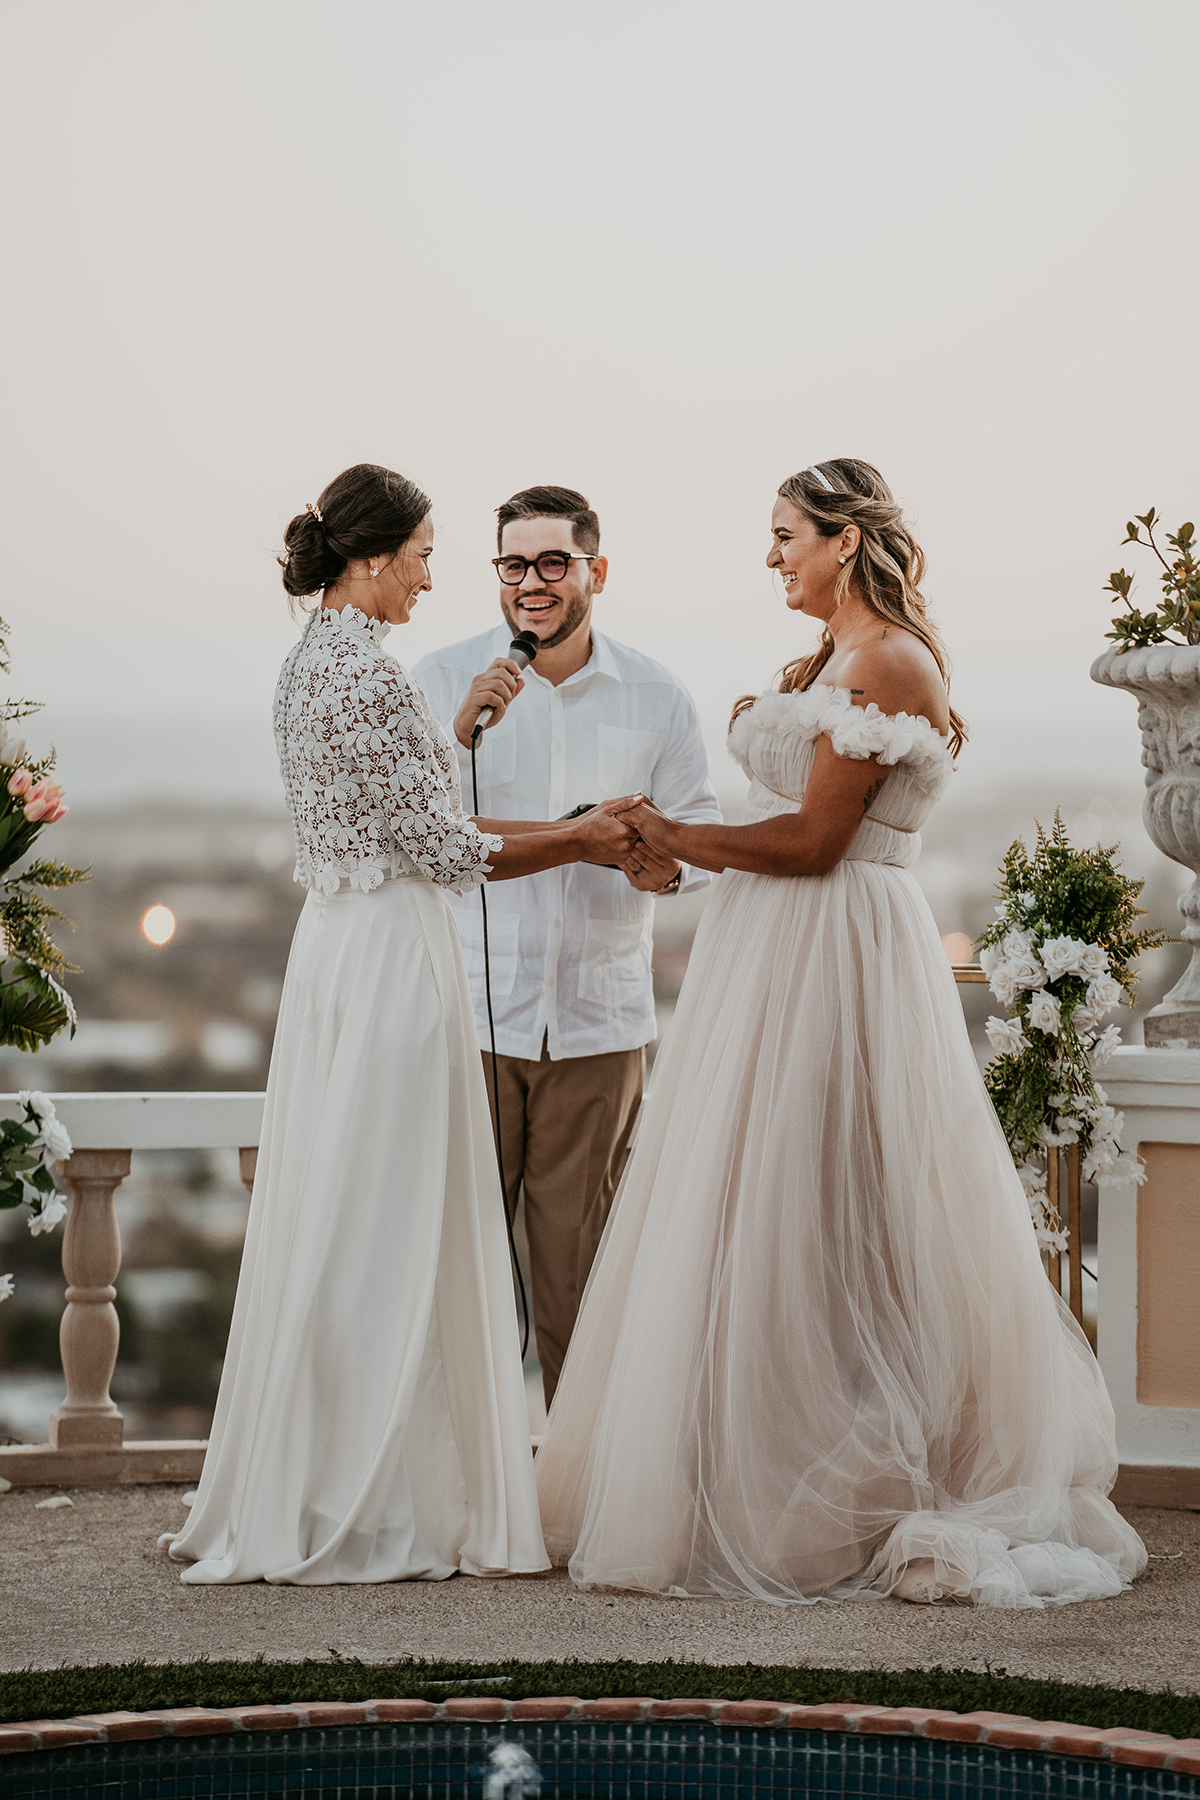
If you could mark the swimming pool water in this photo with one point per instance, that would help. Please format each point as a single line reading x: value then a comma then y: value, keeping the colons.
x: 641, y: 1762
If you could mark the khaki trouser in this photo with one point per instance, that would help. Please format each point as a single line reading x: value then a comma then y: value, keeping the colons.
x: 565, y: 1130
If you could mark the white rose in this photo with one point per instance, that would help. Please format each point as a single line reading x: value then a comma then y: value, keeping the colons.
x: 54, y: 1208
x: 1086, y: 1018
x: 1103, y: 994
x: 1006, y: 1036
x: 1003, y: 985
x: 1093, y: 962
x: 1017, y: 943
x: 57, y: 1140
x: 1027, y: 972
x: 1061, y: 955
x: 1045, y: 1014
x: 990, y: 958
x: 1105, y: 1044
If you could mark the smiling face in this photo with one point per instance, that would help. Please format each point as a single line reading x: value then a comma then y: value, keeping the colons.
x: 553, y: 610
x: 402, y: 580
x: 807, y: 562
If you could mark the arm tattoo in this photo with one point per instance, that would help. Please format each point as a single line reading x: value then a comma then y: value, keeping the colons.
x: 874, y: 789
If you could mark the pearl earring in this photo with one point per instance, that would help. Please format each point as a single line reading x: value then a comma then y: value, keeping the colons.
x: 374, y: 572
x: 841, y: 559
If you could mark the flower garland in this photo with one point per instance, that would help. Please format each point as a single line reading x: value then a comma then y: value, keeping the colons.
x: 1059, y: 957
x: 28, y: 1153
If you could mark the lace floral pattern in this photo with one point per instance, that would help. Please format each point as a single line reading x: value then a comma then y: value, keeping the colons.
x: 371, y: 782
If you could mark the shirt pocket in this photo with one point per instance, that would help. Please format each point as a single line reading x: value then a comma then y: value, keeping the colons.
x: 503, y: 931
x: 624, y: 760
x: 496, y: 756
x: 615, y: 967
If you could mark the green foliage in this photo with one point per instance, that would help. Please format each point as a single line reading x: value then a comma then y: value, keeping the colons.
x: 1043, y: 1088
x: 1179, y: 608
x: 141, y: 1686
x: 34, y: 1008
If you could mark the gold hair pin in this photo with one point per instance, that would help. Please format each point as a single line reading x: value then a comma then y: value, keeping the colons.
x: 315, y: 511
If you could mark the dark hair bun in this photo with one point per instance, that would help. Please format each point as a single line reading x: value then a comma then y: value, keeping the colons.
x: 365, y: 511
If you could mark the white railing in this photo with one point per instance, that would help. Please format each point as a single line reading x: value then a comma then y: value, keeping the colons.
x: 87, y: 1433
x: 1148, y: 1249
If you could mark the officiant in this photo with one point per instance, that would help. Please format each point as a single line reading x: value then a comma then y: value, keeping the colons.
x: 570, y: 949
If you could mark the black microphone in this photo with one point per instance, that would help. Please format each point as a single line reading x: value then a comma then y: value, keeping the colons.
x: 523, y: 649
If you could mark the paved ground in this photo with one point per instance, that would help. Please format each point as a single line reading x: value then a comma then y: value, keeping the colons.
x: 86, y: 1584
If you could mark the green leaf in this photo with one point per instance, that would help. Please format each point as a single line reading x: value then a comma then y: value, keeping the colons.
x: 32, y: 1010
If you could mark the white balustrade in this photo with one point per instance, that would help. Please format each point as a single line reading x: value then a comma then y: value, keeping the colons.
x: 1148, y: 1307
x: 87, y: 1433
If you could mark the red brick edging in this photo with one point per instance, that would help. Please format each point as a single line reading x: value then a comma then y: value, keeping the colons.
x: 1009, y: 1731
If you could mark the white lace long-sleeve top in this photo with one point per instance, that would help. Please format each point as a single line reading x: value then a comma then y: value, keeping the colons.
x: 371, y: 781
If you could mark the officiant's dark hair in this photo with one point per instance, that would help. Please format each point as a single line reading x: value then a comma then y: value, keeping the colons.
x: 552, y: 503
x: 885, y: 571
x: 365, y: 511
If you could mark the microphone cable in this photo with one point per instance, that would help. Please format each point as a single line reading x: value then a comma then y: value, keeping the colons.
x: 487, y: 989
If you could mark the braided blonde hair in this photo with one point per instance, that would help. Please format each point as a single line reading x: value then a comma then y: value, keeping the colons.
x: 885, y: 571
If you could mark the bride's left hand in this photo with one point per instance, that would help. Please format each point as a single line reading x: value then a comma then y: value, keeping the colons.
x: 653, y: 827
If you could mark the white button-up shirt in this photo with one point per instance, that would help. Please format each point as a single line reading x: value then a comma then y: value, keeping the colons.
x: 570, y: 947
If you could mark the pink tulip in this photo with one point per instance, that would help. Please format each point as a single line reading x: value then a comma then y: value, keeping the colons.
x: 20, y: 782
x: 52, y: 818
x: 36, y: 810
x: 45, y: 803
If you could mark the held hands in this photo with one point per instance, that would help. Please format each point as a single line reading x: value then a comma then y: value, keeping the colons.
x: 497, y: 687
x: 652, y: 863
x: 605, y: 837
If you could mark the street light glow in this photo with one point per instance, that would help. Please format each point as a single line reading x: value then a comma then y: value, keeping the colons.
x: 159, y: 924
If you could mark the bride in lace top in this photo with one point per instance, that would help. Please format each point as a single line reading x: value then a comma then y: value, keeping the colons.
x: 371, y: 1423
x: 818, y: 1357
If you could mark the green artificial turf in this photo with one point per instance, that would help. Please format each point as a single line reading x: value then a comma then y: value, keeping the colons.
x: 139, y: 1686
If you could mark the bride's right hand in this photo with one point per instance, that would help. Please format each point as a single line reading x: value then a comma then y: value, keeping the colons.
x: 603, y: 836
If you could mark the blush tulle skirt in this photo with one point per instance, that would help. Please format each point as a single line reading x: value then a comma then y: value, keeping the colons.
x: 371, y: 1423
x: 818, y: 1357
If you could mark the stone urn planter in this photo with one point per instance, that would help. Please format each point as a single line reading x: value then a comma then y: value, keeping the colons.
x: 1166, y: 681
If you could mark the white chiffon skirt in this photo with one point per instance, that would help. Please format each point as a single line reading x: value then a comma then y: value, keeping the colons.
x: 371, y: 1423
x: 818, y: 1357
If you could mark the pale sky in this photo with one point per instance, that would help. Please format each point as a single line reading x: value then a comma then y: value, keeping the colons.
x: 667, y: 254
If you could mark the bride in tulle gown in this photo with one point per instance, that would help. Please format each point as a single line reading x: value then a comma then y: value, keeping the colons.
x: 818, y: 1357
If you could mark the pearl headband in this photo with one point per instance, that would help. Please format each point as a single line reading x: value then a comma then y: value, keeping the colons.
x: 827, y: 485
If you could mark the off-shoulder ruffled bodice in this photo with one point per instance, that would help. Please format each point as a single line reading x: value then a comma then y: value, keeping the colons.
x: 371, y: 780
x: 775, y: 740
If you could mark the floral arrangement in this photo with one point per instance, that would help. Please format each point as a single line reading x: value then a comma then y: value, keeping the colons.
x: 34, y: 1006
x: 1059, y: 957
x: 29, y: 1150
x: 1179, y: 608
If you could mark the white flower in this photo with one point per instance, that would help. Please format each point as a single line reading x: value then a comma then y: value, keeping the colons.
x: 1093, y: 962
x: 1125, y: 1167
x: 1085, y: 1019
x: 1102, y: 995
x: 1051, y: 1240
x: 1105, y: 1044
x: 1017, y: 943
x: 1006, y: 1036
x: 1027, y: 972
x: 990, y: 958
x: 1003, y: 986
x: 1033, y: 1177
x: 54, y: 1208
x: 55, y: 1137
x: 1045, y: 1014
x: 6, y: 1287
x: 12, y: 748
x: 1068, y: 1133
x: 1027, y: 901
x: 1061, y: 955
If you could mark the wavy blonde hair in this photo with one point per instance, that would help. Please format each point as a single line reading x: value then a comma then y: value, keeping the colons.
x: 885, y: 571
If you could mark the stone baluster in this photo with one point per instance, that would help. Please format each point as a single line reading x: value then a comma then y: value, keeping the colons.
x: 90, y: 1331
x: 247, y: 1163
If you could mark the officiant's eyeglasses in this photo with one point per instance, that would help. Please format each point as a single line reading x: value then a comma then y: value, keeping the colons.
x: 551, y: 565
